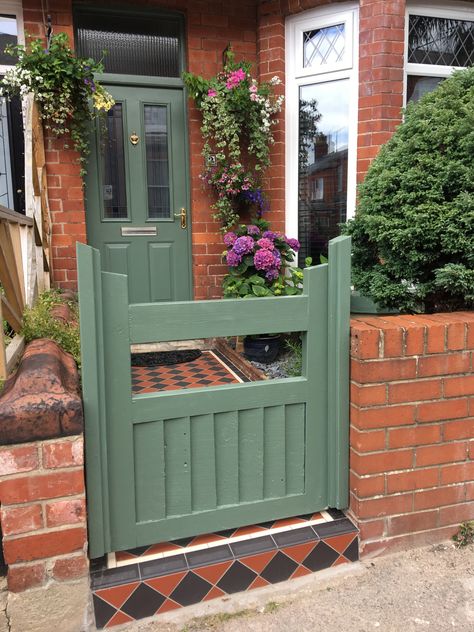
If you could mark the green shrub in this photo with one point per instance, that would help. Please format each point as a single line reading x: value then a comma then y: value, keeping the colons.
x: 413, y: 234
x: 38, y: 323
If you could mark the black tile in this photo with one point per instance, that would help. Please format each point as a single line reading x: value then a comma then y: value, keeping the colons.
x: 266, y: 525
x: 279, y: 569
x: 295, y: 536
x: 328, y: 529
x: 322, y: 556
x: 209, y: 556
x: 191, y: 589
x: 143, y: 602
x: 237, y: 578
x: 336, y: 514
x: 114, y: 576
x: 103, y: 612
x: 352, y: 551
x: 226, y: 533
x: 163, y: 566
x: 139, y: 550
x: 253, y: 546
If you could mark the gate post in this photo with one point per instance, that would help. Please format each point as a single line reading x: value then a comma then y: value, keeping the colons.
x: 93, y: 392
x: 339, y: 299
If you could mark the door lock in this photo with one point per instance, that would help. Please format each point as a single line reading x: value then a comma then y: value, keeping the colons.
x: 183, y: 215
x: 134, y: 138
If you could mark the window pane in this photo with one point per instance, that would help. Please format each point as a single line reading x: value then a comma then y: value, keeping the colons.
x: 323, y: 46
x: 156, y: 140
x: 323, y: 151
x: 114, y: 191
x: 440, y: 41
x: 133, y: 45
x: 8, y: 35
x: 419, y: 86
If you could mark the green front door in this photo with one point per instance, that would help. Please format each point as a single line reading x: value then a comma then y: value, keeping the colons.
x: 137, y: 194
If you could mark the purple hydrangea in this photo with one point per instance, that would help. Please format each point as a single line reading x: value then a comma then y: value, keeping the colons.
x: 264, y: 259
x: 229, y: 239
x: 253, y: 230
x: 272, y: 274
x: 277, y: 259
x: 269, y: 234
x: 266, y: 243
x: 294, y: 244
x: 233, y: 259
x: 243, y: 245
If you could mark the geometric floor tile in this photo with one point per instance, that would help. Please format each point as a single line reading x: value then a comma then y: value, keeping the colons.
x: 219, y: 564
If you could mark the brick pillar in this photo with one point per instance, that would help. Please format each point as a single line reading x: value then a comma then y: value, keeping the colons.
x: 43, y: 512
x: 381, y: 65
x: 412, y: 428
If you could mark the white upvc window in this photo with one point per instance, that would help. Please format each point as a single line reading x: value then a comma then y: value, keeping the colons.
x: 11, y: 31
x: 321, y: 123
x: 439, y: 39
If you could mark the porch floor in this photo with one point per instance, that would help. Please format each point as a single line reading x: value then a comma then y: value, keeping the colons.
x: 210, y: 369
x: 156, y: 579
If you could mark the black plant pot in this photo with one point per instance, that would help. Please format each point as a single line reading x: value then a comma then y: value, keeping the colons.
x: 262, y: 349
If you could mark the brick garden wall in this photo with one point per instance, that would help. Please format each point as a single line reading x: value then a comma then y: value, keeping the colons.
x: 412, y: 428
x: 43, y: 512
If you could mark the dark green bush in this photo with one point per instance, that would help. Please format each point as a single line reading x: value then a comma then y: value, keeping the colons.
x: 413, y: 234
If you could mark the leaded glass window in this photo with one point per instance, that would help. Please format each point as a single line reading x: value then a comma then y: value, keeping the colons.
x: 324, y: 46
x: 440, y: 41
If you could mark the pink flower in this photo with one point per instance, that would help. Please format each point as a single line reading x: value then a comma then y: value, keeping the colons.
x: 254, y: 97
x: 211, y: 93
x: 234, y: 78
x: 264, y: 259
x: 253, y: 88
x: 266, y: 243
x: 229, y: 239
x: 233, y: 259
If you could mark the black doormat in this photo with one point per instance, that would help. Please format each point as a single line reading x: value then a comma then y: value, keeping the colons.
x: 161, y: 358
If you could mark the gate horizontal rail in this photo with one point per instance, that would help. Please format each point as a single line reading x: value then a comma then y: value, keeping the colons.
x: 172, y: 464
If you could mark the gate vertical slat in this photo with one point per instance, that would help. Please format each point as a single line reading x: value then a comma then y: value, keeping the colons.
x: 251, y: 454
x: 227, y: 457
x: 118, y: 388
x: 339, y: 298
x: 94, y: 398
x: 315, y: 348
x: 178, y: 465
x: 203, y: 451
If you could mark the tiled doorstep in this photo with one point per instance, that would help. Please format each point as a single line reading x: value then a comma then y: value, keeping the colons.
x: 113, y: 562
x: 152, y: 587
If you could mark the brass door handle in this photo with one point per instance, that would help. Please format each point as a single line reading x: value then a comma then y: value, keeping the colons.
x: 184, y: 217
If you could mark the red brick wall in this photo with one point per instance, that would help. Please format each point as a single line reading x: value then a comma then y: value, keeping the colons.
x: 412, y: 428
x: 43, y: 512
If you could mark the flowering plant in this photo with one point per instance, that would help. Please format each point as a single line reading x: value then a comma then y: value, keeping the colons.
x: 259, y: 263
x: 237, y: 119
x: 63, y: 85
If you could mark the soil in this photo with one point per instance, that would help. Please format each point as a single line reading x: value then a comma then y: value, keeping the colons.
x: 160, y: 358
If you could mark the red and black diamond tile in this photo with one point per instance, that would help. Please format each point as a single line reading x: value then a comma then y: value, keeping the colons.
x: 152, y: 587
x: 207, y: 370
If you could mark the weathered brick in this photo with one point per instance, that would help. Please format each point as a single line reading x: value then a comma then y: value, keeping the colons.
x: 16, y: 520
x: 65, y: 512
x: 18, y: 459
x: 23, y: 577
x: 70, y: 567
x: 44, y: 545
x: 63, y: 453
x: 42, y: 486
x: 411, y: 480
x: 430, y: 498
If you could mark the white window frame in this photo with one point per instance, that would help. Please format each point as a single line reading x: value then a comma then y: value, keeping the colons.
x: 297, y: 76
x: 433, y: 9
x: 13, y: 7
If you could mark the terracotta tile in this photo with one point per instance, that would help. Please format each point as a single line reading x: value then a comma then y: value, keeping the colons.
x: 287, y: 522
x: 251, y: 529
x: 212, y: 573
x: 340, y: 560
x: 205, y: 539
x: 164, y: 547
x: 258, y: 582
x: 299, y: 552
x: 167, y: 606
x: 117, y: 595
x: 214, y: 593
x: 165, y: 585
x: 340, y: 542
x: 118, y: 619
x: 301, y: 571
x: 258, y: 562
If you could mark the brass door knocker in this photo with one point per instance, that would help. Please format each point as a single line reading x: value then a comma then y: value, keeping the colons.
x: 134, y: 138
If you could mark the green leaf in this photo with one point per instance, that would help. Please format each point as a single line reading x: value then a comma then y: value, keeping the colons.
x: 256, y: 280
x: 258, y: 290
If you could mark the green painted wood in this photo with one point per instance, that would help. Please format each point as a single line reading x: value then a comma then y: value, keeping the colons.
x: 206, y: 319
x: 93, y: 396
x: 295, y: 448
x: 158, y: 266
x: 315, y: 349
x: 251, y: 454
x: 149, y: 478
x: 118, y: 392
x: 203, y: 459
x: 218, y: 399
x: 339, y: 304
x: 178, y: 466
x: 275, y: 452
x: 226, y: 427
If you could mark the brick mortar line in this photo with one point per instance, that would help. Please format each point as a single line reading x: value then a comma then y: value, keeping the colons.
x: 411, y: 426
x: 414, y: 447
x: 44, y: 501
x: 45, y: 530
x: 39, y: 472
x: 46, y: 560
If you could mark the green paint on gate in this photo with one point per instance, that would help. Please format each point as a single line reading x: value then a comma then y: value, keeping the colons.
x: 174, y: 464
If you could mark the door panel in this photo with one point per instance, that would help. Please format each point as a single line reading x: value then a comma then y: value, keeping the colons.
x: 136, y: 186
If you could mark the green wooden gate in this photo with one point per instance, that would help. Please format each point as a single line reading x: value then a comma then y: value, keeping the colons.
x: 179, y: 463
